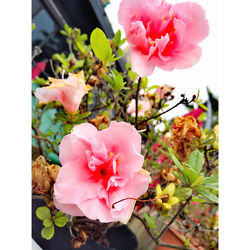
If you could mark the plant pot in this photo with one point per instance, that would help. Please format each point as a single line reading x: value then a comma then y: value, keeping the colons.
x: 172, y: 236
x: 120, y: 238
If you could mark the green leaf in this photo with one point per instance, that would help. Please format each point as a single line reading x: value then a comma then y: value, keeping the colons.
x: 122, y: 42
x: 198, y: 181
x: 144, y: 82
x: 33, y: 26
x: 101, y: 45
x: 59, y: 214
x: 182, y: 179
x: 117, y: 38
x: 195, y: 160
x: 43, y: 213
x: 120, y: 52
x: 183, y: 193
x: 190, y: 174
x: 202, y: 106
x: 84, y: 115
x: 47, y: 222
x: 210, y: 180
x: 61, y: 221
x: 67, y: 128
x: 48, y: 232
x: 208, y: 195
x: 150, y: 220
x: 175, y: 160
x: 202, y: 117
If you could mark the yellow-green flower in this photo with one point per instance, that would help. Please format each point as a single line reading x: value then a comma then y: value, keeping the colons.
x: 164, y: 204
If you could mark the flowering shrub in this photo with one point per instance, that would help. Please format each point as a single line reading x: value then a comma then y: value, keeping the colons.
x: 101, y: 157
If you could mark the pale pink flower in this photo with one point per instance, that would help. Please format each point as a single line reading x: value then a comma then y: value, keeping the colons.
x: 68, y: 92
x: 163, y: 90
x: 143, y: 106
x: 163, y: 35
x: 100, y: 168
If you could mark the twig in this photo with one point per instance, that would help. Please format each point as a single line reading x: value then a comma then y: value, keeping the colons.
x: 156, y: 240
x: 38, y: 141
x: 136, y: 102
x: 52, y: 68
x: 173, y: 219
x: 182, y: 101
x: 37, y: 197
x: 47, y: 140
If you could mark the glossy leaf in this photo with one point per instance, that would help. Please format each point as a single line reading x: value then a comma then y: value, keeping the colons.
x: 101, y: 45
x: 48, y: 232
x: 43, y: 213
x: 195, y: 160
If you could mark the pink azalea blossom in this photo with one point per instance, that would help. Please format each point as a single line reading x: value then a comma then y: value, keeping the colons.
x: 68, y: 92
x: 143, y: 106
x: 100, y: 168
x: 163, y: 35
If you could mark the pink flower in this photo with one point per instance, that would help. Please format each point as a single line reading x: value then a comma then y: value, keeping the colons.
x: 163, y: 35
x: 38, y: 69
x: 196, y: 114
x: 163, y: 90
x: 100, y: 168
x: 68, y: 92
x: 143, y: 106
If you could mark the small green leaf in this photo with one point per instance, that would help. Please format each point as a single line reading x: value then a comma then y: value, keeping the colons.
x: 47, y: 222
x: 117, y: 38
x: 67, y: 128
x: 175, y: 160
x: 61, y: 221
x: 48, y: 232
x: 43, y: 213
x: 207, y: 195
x: 183, y: 193
x: 33, y: 26
x: 122, y: 42
x: 195, y: 160
x: 59, y: 214
x: 190, y: 174
x: 202, y: 106
x: 101, y: 45
x: 198, y: 181
x: 182, y: 179
x: 150, y: 220
x: 120, y: 52
x: 210, y: 180
x: 84, y: 115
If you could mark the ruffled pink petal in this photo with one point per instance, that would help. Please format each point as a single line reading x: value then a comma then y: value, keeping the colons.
x: 123, y: 139
x: 137, y: 186
x: 73, y: 184
x: 96, y: 209
x: 72, y: 148
x: 45, y: 95
x: 71, y: 209
x: 137, y: 36
x: 85, y: 132
x: 183, y: 59
x: 194, y: 17
x: 139, y: 63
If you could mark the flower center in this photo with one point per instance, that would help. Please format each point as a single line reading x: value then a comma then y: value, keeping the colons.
x: 102, y: 172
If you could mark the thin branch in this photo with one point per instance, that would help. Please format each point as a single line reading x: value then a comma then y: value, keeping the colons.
x: 37, y: 197
x: 156, y: 240
x: 173, y: 219
x: 182, y: 101
x: 136, y: 102
x: 52, y: 68
x: 38, y: 141
x: 47, y: 140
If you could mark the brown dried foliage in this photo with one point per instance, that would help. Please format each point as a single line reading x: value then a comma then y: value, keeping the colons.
x: 185, y: 130
x: 97, y: 121
x: 43, y: 175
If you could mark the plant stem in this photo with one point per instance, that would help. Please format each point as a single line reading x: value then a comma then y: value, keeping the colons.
x: 38, y: 140
x: 173, y: 219
x: 156, y: 240
x: 136, y: 102
x: 47, y: 140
